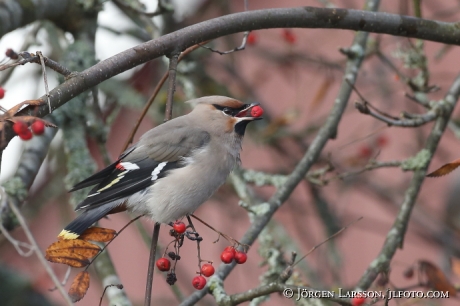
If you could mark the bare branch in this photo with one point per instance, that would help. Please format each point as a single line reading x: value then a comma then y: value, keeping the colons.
x: 395, y: 236
x: 416, y: 121
x: 300, y: 17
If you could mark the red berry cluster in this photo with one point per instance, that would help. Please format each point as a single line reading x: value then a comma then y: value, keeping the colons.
x: 23, y: 131
x: 229, y: 254
x: 179, y: 232
x: 199, y: 281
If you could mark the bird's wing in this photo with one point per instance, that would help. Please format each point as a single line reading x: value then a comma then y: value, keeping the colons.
x: 171, y: 142
x: 150, y: 159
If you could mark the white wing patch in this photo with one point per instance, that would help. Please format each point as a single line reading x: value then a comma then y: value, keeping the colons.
x: 129, y: 166
x: 157, y: 170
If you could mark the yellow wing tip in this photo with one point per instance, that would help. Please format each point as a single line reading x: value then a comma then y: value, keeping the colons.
x: 67, y: 235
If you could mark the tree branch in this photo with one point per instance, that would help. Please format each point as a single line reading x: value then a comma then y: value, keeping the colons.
x: 395, y: 236
x: 300, y: 17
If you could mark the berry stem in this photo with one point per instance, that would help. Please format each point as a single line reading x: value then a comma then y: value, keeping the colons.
x: 230, y: 239
x: 197, y: 242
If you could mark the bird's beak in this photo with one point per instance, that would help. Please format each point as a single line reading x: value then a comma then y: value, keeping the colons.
x: 249, y: 114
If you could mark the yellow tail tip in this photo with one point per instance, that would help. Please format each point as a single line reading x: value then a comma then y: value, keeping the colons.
x: 65, y: 234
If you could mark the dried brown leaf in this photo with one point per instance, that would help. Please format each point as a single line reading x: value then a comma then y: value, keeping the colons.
x: 76, y: 261
x: 98, y: 234
x: 12, y: 111
x: 445, y: 169
x: 31, y: 119
x: 74, y: 253
x: 79, y: 286
x: 436, y: 278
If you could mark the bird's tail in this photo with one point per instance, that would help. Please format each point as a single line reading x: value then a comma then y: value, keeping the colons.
x: 75, y: 228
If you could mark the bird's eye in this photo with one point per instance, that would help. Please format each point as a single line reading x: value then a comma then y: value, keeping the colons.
x: 227, y: 111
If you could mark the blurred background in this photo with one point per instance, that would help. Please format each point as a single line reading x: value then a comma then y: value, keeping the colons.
x: 295, y: 75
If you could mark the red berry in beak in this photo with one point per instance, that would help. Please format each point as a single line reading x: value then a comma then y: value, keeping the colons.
x: 257, y: 111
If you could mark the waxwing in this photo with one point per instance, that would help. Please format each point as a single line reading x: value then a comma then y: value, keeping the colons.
x: 174, y: 167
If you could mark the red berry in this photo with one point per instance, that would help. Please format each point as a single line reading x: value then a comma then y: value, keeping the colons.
x: 257, y: 111
x: 358, y: 300
x: 179, y: 227
x: 2, y: 92
x: 365, y: 151
x: 241, y: 257
x: 409, y: 273
x: 11, y: 54
x: 207, y: 270
x: 38, y: 127
x: 20, y: 127
x: 199, y: 282
x: 26, y: 135
x: 230, y: 249
x: 227, y: 257
x: 382, y: 141
x: 163, y: 264
x: 252, y: 38
x: 289, y: 36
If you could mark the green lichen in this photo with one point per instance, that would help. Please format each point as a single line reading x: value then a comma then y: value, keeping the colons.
x: 216, y: 286
x: 15, y: 188
x: 262, y: 179
x: 417, y: 162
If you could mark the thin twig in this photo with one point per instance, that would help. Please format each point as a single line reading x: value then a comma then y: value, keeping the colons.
x: 243, y: 42
x: 329, y: 238
x: 65, y: 279
x: 45, y: 78
x: 241, y: 47
x: 18, y: 245
x: 371, y: 165
x: 39, y: 254
x: 32, y: 58
x: 152, y: 98
x: 153, y: 250
x: 108, y: 243
x: 119, y: 286
x: 198, y: 240
x: 418, y: 120
x: 230, y: 239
